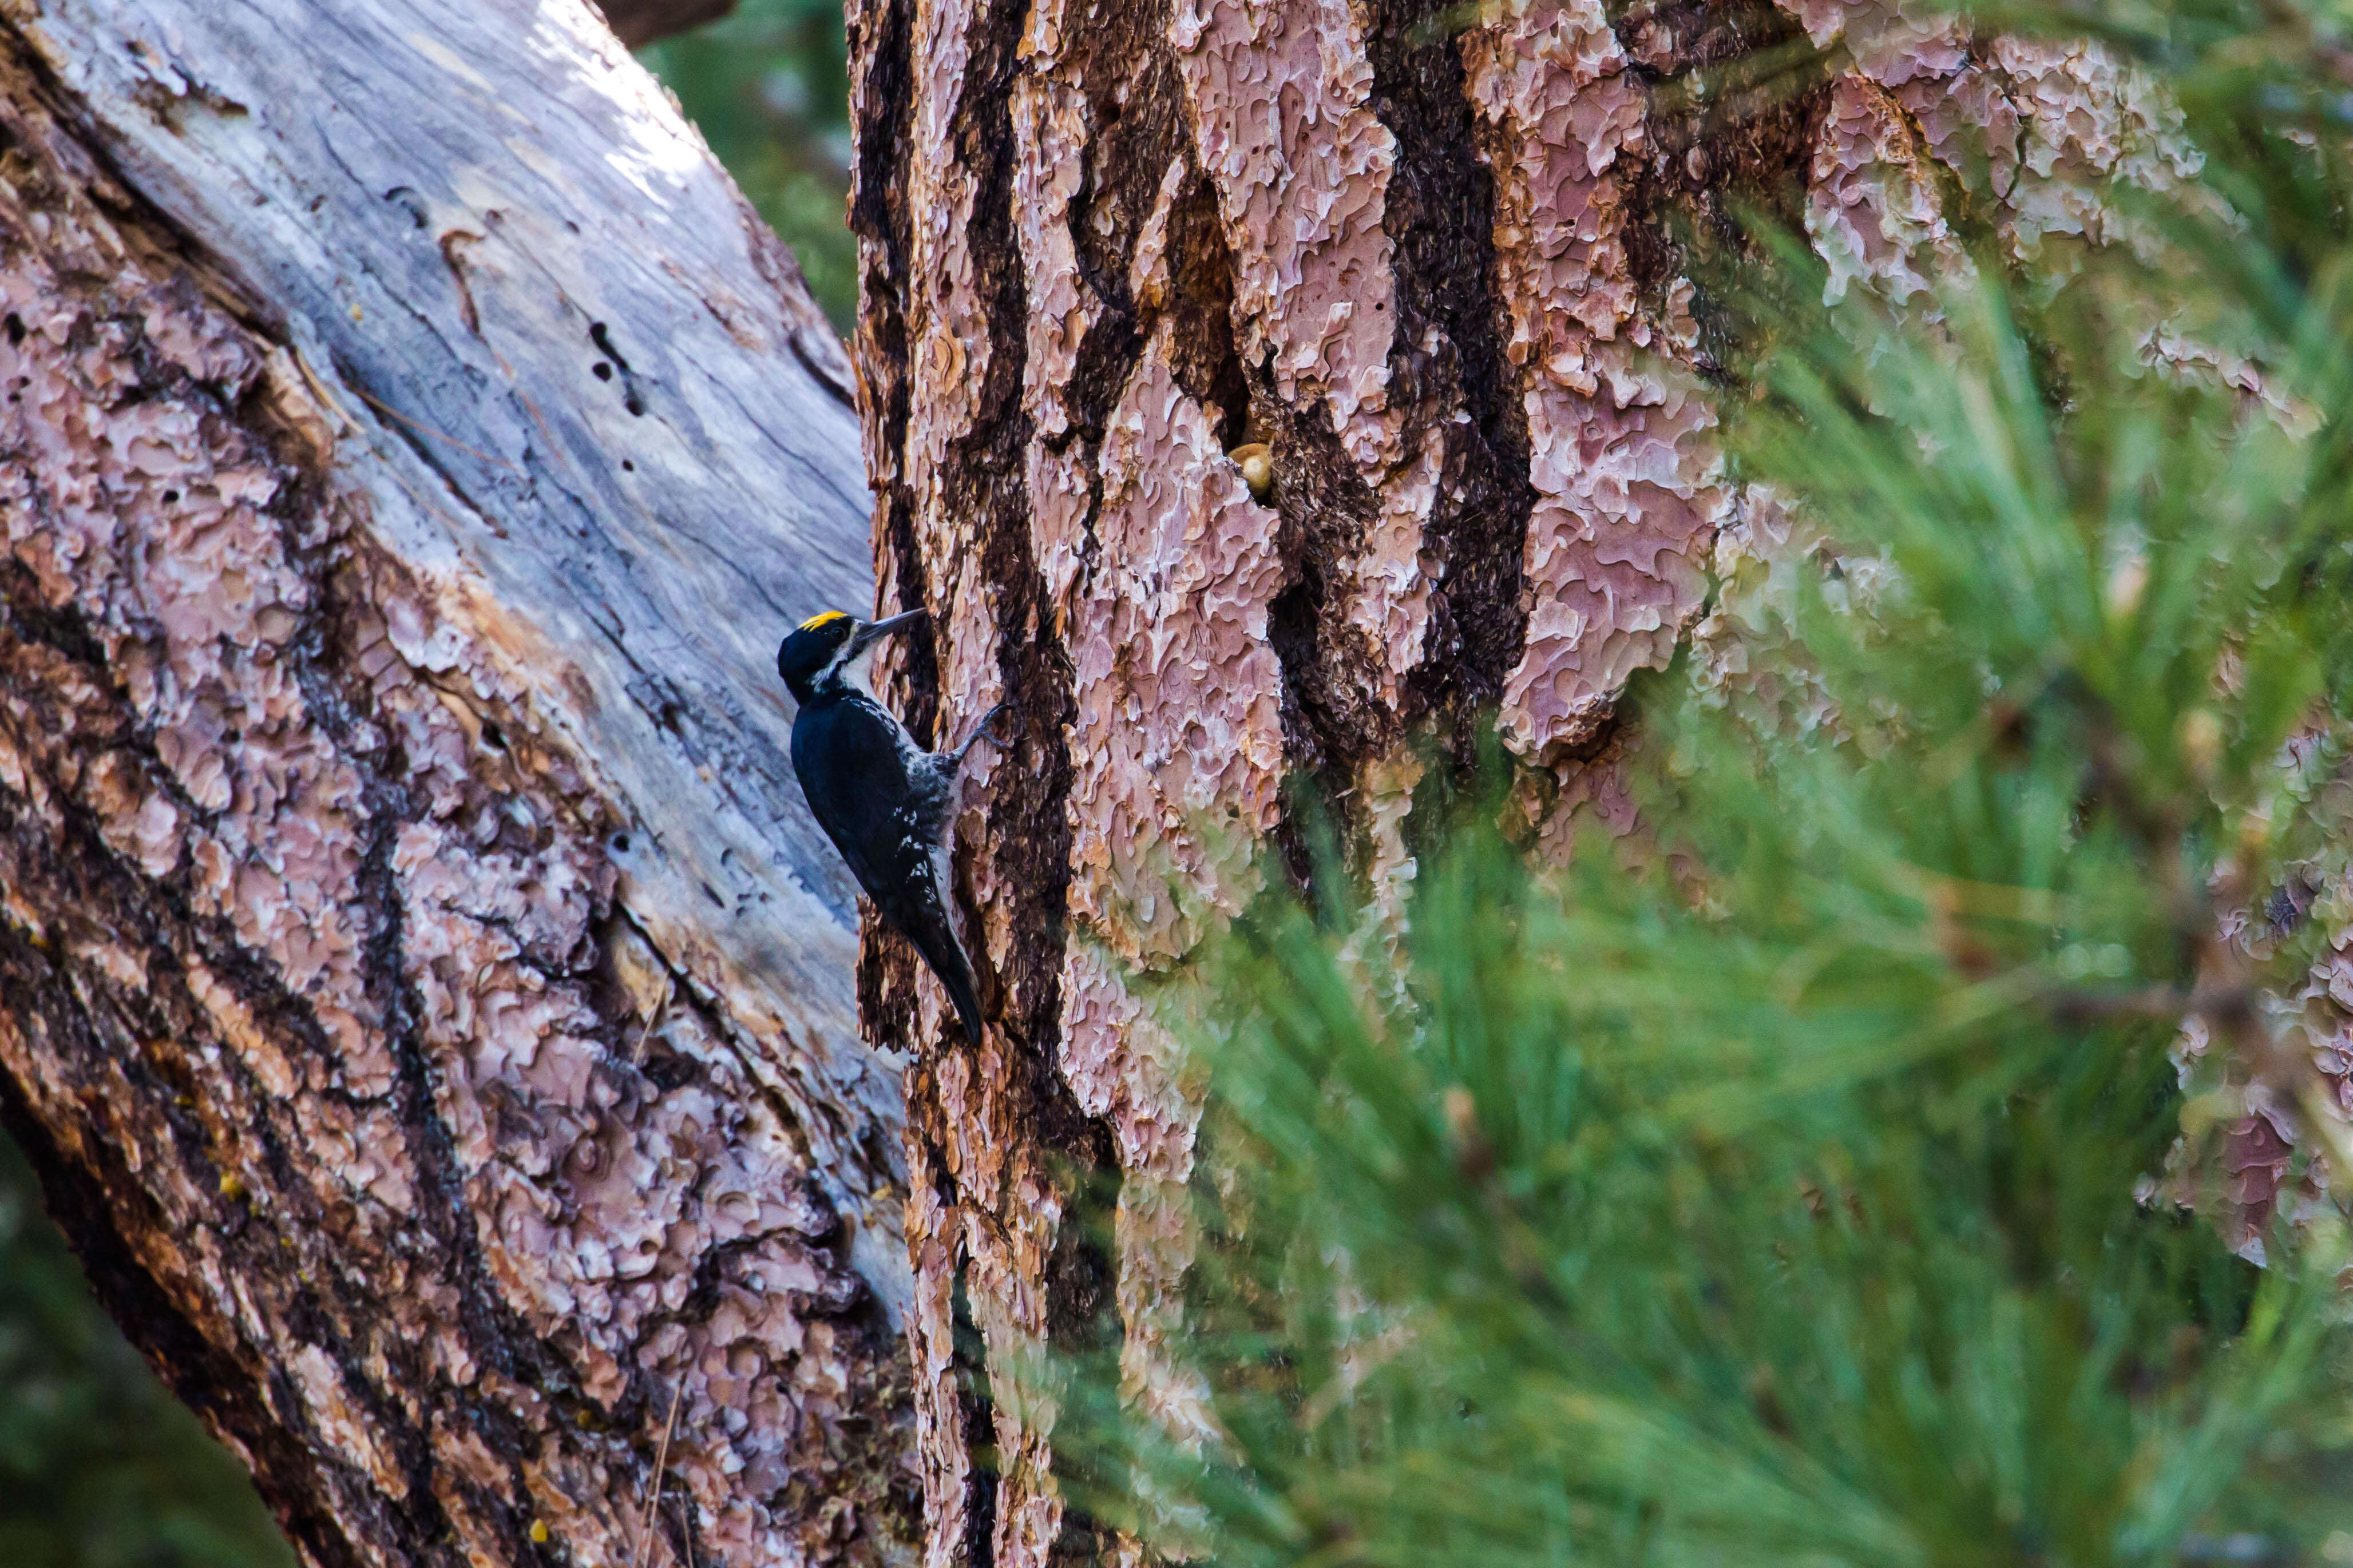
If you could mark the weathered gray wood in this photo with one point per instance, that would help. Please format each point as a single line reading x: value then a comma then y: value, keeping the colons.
x: 441, y: 246
x: 420, y: 981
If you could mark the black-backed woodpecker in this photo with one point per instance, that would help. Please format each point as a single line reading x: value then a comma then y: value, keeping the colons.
x: 888, y: 804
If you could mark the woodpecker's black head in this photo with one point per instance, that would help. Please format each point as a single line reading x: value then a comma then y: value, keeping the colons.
x: 825, y: 650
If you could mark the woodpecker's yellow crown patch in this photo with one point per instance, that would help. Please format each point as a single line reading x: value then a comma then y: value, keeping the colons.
x: 822, y: 618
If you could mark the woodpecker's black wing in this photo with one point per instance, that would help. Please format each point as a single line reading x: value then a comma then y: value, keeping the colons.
x: 885, y: 802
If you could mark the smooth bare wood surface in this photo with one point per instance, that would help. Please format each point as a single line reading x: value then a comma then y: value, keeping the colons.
x: 420, y: 984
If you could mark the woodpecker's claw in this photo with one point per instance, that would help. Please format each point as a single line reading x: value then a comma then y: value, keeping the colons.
x: 986, y: 730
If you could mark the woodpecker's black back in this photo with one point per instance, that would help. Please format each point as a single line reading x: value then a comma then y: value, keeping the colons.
x: 885, y: 802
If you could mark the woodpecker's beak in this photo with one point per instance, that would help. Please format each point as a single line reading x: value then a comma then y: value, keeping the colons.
x: 869, y: 633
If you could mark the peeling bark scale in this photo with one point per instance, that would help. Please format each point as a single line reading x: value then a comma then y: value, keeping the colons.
x: 1450, y: 264
x: 427, y: 997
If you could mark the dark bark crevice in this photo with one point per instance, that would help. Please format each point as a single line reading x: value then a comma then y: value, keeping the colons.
x: 971, y: 1362
x: 1122, y: 63
x: 1026, y: 853
x: 1441, y: 210
x: 1331, y: 723
x: 1207, y: 360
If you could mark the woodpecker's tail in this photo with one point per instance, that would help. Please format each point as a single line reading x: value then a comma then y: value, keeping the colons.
x: 945, y: 956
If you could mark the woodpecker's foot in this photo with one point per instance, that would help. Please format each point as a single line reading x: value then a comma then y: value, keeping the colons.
x: 985, y: 730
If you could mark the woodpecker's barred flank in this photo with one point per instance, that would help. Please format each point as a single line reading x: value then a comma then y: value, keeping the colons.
x: 887, y: 803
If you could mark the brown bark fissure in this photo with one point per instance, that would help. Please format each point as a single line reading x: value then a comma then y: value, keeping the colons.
x: 883, y: 102
x: 1444, y: 215
x: 1024, y: 824
x: 339, y: 1059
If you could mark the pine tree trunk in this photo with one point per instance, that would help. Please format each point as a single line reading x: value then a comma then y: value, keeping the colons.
x: 1451, y: 264
x: 426, y: 998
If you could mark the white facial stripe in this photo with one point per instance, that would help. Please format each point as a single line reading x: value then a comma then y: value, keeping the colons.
x: 858, y: 668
